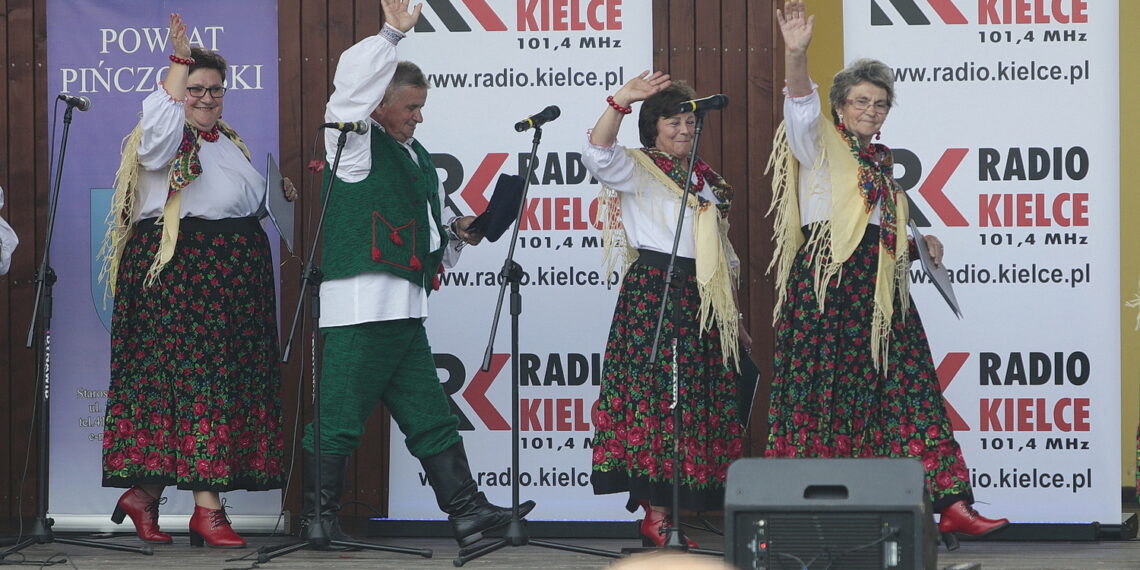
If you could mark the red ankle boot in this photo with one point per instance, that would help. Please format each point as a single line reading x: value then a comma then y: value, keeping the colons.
x: 212, y: 526
x: 143, y: 510
x: 961, y: 518
x: 653, y: 527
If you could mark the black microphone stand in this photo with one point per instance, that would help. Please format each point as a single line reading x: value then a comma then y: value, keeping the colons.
x: 311, y: 279
x: 674, y: 282
x: 41, y: 311
x: 516, y: 534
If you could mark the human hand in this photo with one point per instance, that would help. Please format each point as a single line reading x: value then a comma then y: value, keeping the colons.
x: 288, y: 189
x: 460, y: 226
x: 178, y: 40
x: 641, y: 87
x: 396, y: 14
x: 745, y: 338
x: 795, y: 25
x: 934, y: 246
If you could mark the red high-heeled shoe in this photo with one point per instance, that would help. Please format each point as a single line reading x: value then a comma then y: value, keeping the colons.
x: 143, y: 510
x: 961, y: 518
x: 653, y: 527
x: 212, y: 526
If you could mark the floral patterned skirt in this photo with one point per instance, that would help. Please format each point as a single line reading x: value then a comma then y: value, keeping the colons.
x: 194, y: 397
x: 633, y: 445
x: 828, y: 400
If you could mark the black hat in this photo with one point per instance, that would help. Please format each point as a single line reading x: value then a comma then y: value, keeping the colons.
x: 502, y: 210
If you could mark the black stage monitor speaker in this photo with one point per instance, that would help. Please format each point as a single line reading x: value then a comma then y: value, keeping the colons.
x: 828, y: 513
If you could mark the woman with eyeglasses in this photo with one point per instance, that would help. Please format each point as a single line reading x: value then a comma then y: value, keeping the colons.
x: 193, y: 401
x: 854, y: 374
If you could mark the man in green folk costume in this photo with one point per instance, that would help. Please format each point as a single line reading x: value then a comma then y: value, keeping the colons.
x: 385, y: 244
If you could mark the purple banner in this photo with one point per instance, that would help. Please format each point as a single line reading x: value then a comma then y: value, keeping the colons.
x: 114, y: 52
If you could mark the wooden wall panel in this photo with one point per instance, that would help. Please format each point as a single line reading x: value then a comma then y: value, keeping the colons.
x: 718, y: 46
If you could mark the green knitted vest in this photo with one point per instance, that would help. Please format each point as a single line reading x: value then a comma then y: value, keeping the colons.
x: 380, y: 223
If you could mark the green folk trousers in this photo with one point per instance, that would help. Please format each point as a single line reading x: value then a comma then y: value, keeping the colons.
x: 389, y: 362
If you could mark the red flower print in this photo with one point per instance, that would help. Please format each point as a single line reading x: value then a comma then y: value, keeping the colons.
x: 616, y: 449
x: 636, y: 436
x: 135, y: 454
x: 943, y: 480
x: 915, y: 447
x: 599, y: 455
x: 153, y: 461
x: 116, y: 461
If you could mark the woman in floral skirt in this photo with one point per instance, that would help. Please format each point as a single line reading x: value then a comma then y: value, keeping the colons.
x: 854, y: 374
x: 634, y: 433
x: 193, y: 400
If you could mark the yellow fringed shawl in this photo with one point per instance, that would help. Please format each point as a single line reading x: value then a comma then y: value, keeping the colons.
x: 717, y: 270
x: 832, y: 242
x: 184, y: 169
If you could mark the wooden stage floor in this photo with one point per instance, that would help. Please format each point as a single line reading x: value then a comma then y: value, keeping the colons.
x: 1104, y: 554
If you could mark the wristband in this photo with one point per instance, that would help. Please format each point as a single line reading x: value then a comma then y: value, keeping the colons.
x: 617, y: 107
x: 187, y: 61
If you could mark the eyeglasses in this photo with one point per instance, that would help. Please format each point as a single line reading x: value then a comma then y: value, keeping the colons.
x: 862, y: 103
x: 197, y: 91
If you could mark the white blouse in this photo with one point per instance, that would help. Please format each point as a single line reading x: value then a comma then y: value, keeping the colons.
x: 648, y: 208
x: 229, y: 186
x: 361, y: 78
x: 801, y: 118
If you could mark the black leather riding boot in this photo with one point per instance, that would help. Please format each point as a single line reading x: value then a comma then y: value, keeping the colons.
x: 333, y: 469
x: 457, y: 494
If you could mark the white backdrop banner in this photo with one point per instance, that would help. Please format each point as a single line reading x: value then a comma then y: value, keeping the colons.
x: 489, y: 68
x: 1005, y: 134
x: 115, y: 53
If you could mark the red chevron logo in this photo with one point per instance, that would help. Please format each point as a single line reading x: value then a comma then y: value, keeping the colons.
x: 475, y: 192
x: 476, y: 394
x: 947, y: 370
x: 932, y: 187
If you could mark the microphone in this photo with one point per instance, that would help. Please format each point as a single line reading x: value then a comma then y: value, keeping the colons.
x: 81, y: 103
x: 358, y: 127
x: 710, y: 103
x: 538, y: 119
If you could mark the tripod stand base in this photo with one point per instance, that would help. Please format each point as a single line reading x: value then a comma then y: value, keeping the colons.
x: 41, y: 534
x: 516, y: 536
x: 265, y: 554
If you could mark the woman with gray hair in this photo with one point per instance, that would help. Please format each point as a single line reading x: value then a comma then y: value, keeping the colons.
x: 854, y: 375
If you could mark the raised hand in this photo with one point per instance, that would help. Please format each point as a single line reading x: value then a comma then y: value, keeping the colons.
x: 396, y: 14
x: 795, y: 25
x: 641, y: 87
x: 178, y: 40
x: 934, y: 246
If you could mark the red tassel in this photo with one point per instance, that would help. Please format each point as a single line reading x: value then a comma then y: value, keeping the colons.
x: 375, y: 253
x: 415, y: 264
x: 440, y: 270
x: 435, y: 283
x: 396, y: 239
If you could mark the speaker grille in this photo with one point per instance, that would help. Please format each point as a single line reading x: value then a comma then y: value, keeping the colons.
x: 795, y: 540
